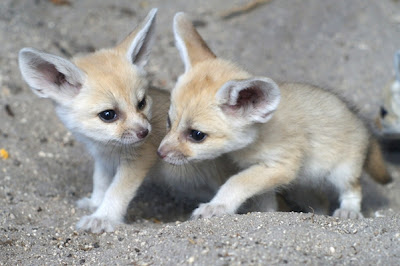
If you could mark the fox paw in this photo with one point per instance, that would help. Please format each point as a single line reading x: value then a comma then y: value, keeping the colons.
x: 347, y: 214
x: 87, y: 203
x: 207, y: 210
x: 96, y: 224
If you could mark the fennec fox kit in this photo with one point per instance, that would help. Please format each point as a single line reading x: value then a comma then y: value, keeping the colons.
x: 103, y: 98
x: 277, y: 135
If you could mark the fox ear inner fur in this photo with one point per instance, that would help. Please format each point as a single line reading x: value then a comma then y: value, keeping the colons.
x: 137, y: 45
x: 253, y: 99
x: 50, y: 76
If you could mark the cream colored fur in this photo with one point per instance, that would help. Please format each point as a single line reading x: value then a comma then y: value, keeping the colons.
x: 278, y: 135
x: 110, y: 79
x: 114, y: 79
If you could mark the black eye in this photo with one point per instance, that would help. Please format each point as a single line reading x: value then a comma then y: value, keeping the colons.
x: 142, y: 104
x: 108, y: 116
x: 197, y: 136
x: 383, y: 112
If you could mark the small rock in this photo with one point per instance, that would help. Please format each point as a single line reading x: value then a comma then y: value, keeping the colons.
x: 190, y: 260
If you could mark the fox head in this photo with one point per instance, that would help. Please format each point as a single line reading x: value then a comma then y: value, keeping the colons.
x: 389, y: 119
x: 216, y: 107
x: 102, y: 95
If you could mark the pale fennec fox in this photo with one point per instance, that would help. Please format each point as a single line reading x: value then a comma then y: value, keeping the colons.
x: 277, y: 134
x: 103, y: 98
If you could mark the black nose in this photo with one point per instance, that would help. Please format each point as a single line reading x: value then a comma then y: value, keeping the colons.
x: 142, y: 133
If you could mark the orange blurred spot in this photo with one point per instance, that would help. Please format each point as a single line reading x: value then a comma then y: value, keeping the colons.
x: 4, y: 154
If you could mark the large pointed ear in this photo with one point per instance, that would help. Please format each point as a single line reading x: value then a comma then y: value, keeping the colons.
x: 137, y: 45
x: 255, y: 99
x: 191, y: 46
x: 50, y: 76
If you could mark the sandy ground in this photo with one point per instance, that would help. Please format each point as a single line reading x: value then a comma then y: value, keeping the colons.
x: 343, y: 45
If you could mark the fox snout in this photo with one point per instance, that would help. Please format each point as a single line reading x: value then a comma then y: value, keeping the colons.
x: 142, y: 133
x: 171, y: 155
x: 135, y: 134
x: 163, y: 151
x: 161, y: 154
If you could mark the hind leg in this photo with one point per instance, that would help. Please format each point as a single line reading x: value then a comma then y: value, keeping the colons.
x: 350, y: 203
x: 345, y: 178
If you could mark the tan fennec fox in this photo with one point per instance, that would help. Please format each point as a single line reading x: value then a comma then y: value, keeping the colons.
x: 103, y: 98
x: 278, y: 135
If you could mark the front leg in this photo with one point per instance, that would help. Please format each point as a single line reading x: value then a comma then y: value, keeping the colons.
x: 102, y: 175
x: 129, y: 177
x: 250, y: 182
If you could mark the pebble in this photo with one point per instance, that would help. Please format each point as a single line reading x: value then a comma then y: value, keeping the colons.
x: 191, y: 260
